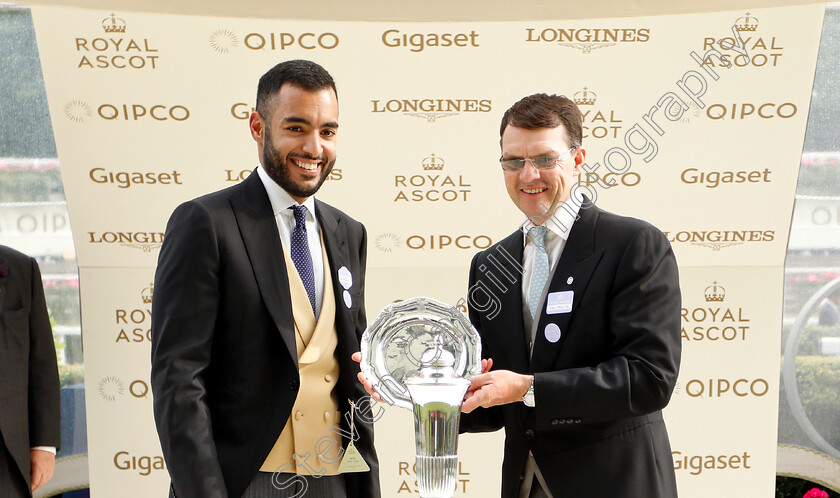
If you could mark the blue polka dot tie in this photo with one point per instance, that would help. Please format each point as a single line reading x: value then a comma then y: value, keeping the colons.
x: 539, y: 273
x: 301, y: 255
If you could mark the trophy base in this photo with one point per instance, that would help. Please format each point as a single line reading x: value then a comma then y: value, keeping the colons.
x: 436, y: 476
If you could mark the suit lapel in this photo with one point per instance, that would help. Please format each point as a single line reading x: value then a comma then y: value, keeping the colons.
x: 576, y: 264
x: 258, y: 229
x: 505, y: 265
x: 335, y: 242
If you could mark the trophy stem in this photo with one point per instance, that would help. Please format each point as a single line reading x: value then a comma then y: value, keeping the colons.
x: 437, y: 411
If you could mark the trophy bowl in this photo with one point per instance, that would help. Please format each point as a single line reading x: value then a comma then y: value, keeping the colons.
x: 419, y: 354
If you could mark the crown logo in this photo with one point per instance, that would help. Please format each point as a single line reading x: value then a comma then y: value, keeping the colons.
x: 585, y: 97
x: 715, y: 293
x: 746, y: 23
x: 433, y: 163
x: 147, y: 294
x: 113, y: 24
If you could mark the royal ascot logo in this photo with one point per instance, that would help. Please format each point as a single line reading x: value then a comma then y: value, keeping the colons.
x: 598, y: 121
x: 144, y: 241
x: 143, y: 465
x: 225, y: 41
x: 389, y: 242
x: 418, y: 42
x: 134, y: 323
x: 113, y: 24
x: 716, y: 179
x: 712, y: 322
x: 719, y: 239
x: 79, y: 112
x: 148, y: 294
x: 431, y: 109
x: 407, y: 475
x: 111, y: 388
x: 432, y: 185
x: 587, y: 39
x: 749, y: 48
x: 114, y: 51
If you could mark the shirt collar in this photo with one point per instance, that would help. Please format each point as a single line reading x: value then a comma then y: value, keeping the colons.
x: 280, y: 199
x: 561, y: 220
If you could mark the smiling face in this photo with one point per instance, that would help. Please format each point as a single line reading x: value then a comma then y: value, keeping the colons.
x: 296, y: 142
x: 535, y: 191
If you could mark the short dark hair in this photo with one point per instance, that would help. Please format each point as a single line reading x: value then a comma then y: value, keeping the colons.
x: 546, y: 111
x: 301, y: 73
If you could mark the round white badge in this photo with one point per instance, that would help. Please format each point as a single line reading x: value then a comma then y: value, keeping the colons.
x: 552, y: 333
x: 348, y: 301
x: 344, y: 277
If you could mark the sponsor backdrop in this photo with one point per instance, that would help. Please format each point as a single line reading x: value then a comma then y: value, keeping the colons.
x: 693, y: 122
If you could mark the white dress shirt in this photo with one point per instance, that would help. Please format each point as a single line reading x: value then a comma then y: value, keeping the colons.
x: 559, y: 225
x: 281, y: 201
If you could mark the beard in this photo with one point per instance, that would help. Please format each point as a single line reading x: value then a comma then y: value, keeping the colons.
x: 277, y: 168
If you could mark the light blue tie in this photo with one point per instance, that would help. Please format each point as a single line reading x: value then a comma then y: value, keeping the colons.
x: 539, y: 274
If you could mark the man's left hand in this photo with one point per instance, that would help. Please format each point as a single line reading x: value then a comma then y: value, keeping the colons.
x: 498, y: 387
x: 42, y: 464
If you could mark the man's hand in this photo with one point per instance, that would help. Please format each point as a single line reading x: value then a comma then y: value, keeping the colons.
x: 357, y: 357
x: 498, y: 387
x: 42, y: 464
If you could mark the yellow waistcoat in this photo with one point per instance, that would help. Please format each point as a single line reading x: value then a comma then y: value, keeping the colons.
x: 307, y: 445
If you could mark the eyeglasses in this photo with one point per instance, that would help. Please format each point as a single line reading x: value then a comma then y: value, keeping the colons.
x: 541, y: 162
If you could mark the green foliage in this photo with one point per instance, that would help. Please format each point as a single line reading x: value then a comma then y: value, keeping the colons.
x: 818, y: 382
x: 809, y: 340
x: 71, y: 374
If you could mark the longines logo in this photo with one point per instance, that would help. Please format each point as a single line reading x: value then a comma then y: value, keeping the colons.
x: 113, y: 51
x: 697, y: 464
x: 431, y: 109
x: 237, y: 176
x: 79, y: 111
x: 713, y: 322
x: 417, y: 42
x: 144, y: 465
x: 111, y: 388
x: 145, y: 241
x: 389, y: 242
x: 746, y: 50
x: 598, y: 120
x: 587, y: 39
x: 715, y: 179
x: 224, y: 41
x: 135, y: 323
x: 431, y: 186
x: 719, y: 239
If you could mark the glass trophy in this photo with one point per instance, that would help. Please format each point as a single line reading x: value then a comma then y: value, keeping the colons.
x: 419, y: 354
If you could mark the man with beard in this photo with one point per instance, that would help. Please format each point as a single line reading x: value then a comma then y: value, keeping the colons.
x: 257, y: 308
